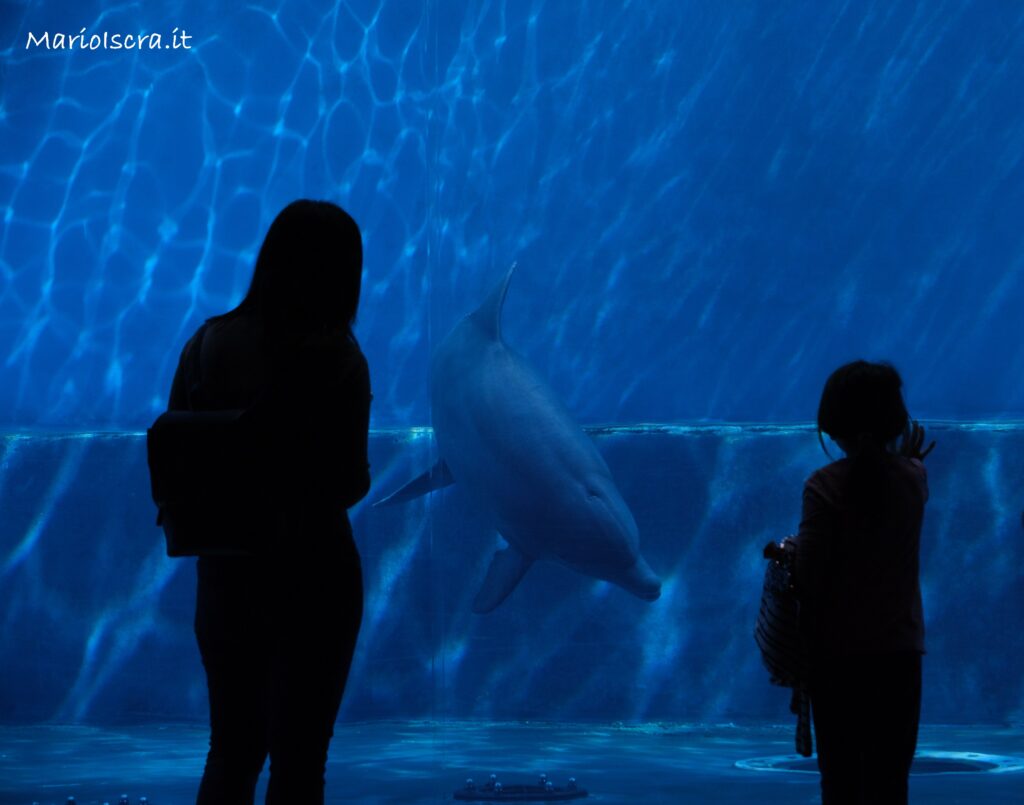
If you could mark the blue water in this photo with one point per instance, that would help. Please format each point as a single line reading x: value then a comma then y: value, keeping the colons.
x: 97, y: 620
x: 712, y: 205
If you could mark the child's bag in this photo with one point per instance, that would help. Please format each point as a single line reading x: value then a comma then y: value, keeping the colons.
x: 778, y: 624
x: 782, y: 647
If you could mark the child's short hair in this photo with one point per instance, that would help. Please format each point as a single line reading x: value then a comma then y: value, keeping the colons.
x: 862, y: 399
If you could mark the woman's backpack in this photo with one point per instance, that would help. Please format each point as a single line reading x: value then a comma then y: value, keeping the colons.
x: 209, y: 477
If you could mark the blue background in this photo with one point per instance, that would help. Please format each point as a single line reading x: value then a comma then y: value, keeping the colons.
x: 96, y: 620
x: 712, y: 206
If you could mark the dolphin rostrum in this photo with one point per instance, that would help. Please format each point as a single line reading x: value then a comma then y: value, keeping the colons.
x: 511, y: 444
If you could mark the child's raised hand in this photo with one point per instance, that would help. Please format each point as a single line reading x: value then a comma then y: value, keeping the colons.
x: 779, y: 550
x: 913, y: 438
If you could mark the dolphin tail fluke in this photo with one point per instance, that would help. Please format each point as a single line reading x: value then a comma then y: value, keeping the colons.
x: 437, y: 477
x: 488, y: 315
x: 508, y: 566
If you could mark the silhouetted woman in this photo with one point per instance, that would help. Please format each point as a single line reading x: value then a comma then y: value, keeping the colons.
x: 277, y: 631
x: 857, y: 577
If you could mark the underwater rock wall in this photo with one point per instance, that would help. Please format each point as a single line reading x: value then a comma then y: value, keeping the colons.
x: 96, y: 621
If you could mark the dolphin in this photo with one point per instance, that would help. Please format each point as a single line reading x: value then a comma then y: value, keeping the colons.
x: 505, y: 437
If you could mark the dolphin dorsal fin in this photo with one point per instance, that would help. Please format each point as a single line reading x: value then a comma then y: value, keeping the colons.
x: 488, y: 316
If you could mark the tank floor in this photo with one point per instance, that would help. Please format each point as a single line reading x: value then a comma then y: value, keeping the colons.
x: 420, y: 762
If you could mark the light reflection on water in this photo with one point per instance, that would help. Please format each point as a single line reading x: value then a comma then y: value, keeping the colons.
x: 705, y: 230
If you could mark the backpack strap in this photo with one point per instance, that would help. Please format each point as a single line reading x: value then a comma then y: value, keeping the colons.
x: 195, y: 397
x: 194, y: 388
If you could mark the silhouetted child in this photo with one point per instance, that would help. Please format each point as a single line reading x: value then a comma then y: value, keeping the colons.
x: 277, y: 631
x: 856, y: 574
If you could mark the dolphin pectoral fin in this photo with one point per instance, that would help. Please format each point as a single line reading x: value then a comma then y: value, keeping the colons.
x: 508, y: 566
x: 437, y: 477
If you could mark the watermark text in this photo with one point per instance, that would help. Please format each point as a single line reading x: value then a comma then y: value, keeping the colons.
x: 177, y: 40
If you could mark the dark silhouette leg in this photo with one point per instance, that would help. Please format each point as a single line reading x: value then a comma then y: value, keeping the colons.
x: 834, y: 708
x: 314, y: 644
x: 866, y: 711
x: 889, y: 750
x: 277, y: 641
x: 229, y: 627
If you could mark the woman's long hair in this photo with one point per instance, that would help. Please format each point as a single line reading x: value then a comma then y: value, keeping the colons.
x: 862, y: 404
x: 308, y: 273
